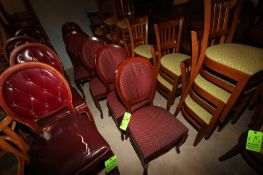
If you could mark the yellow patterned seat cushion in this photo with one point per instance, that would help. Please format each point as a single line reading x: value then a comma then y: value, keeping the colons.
x: 246, y: 59
x: 212, y: 89
x: 165, y: 83
x: 99, y: 32
x: 203, y: 114
x: 109, y: 21
x: 144, y: 51
x: 122, y: 24
x: 172, y: 62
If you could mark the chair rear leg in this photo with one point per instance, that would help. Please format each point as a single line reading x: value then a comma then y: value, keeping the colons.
x: 78, y: 83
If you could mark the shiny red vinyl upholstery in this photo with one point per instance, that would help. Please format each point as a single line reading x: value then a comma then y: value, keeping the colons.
x: 37, y: 52
x: 152, y: 129
x: 13, y: 42
x: 33, y: 92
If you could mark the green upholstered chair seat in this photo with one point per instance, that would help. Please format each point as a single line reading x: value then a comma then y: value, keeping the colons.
x: 165, y: 83
x: 203, y: 114
x: 246, y: 59
x: 144, y: 51
x: 212, y: 89
x: 172, y: 62
x: 109, y: 21
x: 99, y: 32
x: 122, y: 24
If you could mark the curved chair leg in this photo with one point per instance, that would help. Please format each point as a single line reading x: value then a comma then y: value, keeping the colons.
x: 199, y: 137
x: 79, y: 86
x: 97, y: 104
x: 181, y: 141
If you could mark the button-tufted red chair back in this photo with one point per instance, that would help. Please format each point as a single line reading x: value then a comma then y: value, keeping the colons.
x: 14, y: 42
x: 36, y: 52
x: 34, y: 91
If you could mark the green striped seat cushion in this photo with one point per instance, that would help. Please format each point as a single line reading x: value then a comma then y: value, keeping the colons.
x: 203, y: 114
x: 144, y: 51
x: 212, y: 89
x: 172, y: 62
x: 122, y: 24
x: 246, y: 59
x: 109, y: 21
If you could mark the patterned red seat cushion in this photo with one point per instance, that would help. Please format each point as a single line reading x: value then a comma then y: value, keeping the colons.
x: 154, y: 129
x: 97, y: 88
x: 80, y: 72
x: 115, y: 106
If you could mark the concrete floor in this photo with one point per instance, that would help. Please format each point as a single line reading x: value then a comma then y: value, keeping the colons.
x: 202, y: 159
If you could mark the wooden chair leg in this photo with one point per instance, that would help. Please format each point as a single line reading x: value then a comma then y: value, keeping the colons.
x: 199, y: 137
x: 97, y: 104
x: 78, y: 84
x: 181, y: 141
x: 145, y: 169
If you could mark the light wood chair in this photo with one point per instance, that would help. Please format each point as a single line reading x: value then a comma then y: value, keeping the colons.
x: 168, y: 39
x: 12, y: 142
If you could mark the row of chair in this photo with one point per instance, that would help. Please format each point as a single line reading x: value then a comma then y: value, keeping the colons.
x: 49, y: 101
x: 131, y: 89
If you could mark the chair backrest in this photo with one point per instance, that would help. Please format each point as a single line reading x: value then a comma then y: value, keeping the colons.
x: 88, y: 51
x: 138, y: 31
x: 36, y: 52
x: 34, y: 33
x: 69, y: 28
x: 31, y: 92
x: 221, y: 19
x: 107, y: 61
x: 95, y: 20
x: 73, y: 39
x: 13, y: 42
x: 168, y: 36
x: 135, y: 83
x: 122, y: 9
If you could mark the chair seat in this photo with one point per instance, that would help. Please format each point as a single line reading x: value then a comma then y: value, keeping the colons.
x: 99, y: 31
x: 144, y: 51
x: 122, y: 24
x: 97, y: 88
x: 249, y: 58
x: 212, y: 89
x: 81, y: 73
x: 85, y: 147
x: 172, y: 62
x: 77, y: 100
x: 154, y: 130
x: 116, y: 107
x: 109, y: 21
x: 203, y: 114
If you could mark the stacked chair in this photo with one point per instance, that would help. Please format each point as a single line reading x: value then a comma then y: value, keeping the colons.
x: 168, y: 40
x: 212, y: 90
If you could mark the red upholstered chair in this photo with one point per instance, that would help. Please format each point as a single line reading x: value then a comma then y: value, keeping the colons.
x: 107, y: 60
x: 37, y: 52
x: 152, y: 129
x: 13, y: 42
x: 73, y: 38
x: 35, y: 94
